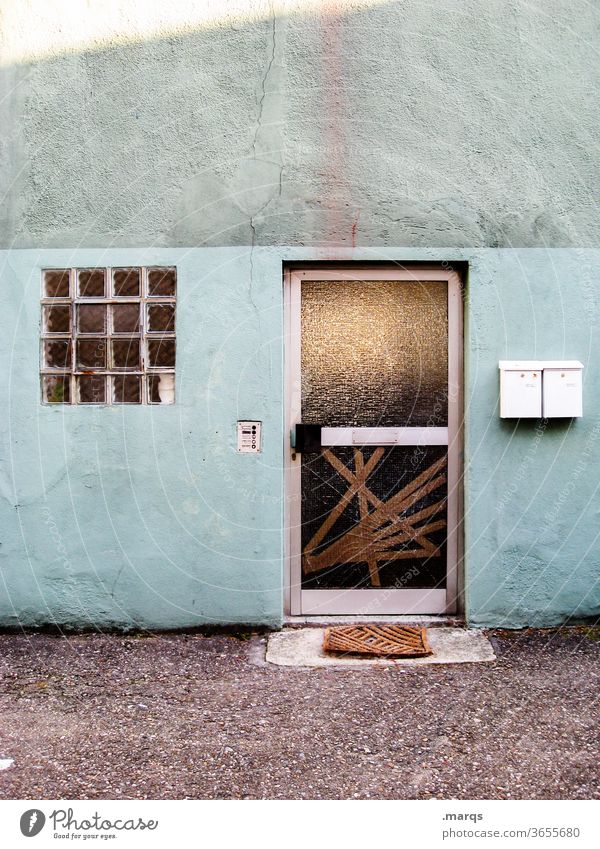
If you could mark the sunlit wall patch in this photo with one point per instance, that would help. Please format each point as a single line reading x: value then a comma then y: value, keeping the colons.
x: 108, y: 335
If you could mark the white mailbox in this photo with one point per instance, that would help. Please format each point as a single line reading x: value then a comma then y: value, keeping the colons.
x: 534, y: 389
x: 520, y: 390
x: 562, y: 390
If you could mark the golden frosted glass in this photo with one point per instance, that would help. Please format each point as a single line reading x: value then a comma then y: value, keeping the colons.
x: 374, y: 353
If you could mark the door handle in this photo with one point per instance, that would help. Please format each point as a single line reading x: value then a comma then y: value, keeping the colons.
x: 307, y: 438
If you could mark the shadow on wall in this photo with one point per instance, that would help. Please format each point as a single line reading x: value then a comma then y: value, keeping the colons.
x: 384, y: 126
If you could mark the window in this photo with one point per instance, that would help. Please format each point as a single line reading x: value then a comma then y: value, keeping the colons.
x: 108, y: 335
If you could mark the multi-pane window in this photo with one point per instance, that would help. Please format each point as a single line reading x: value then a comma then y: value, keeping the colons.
x: 108, y: 335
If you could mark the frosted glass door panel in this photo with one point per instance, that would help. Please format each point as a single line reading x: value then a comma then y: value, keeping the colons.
x: 374, y: 353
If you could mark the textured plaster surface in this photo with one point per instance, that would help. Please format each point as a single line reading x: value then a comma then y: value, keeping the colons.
x: 532, y: 497
x: 466, y: 123
x: 463, y: 131
x: 147, y: 516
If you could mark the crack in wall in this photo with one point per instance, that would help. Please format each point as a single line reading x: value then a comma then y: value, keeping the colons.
x: 255, y: 154
x: 261, y: 102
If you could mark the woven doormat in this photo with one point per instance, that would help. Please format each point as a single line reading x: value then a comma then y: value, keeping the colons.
x: 378, y: 640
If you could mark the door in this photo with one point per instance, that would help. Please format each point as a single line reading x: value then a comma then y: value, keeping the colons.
x: 373, y: 372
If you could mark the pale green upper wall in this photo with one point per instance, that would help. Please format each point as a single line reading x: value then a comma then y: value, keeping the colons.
x: 463, y: 123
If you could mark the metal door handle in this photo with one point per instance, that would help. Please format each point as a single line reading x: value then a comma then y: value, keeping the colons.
x: 307, y: 438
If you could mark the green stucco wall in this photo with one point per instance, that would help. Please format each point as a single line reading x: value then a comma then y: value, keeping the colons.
x: 147, y: 516
x: 413, y: 123
x: 457, y: 132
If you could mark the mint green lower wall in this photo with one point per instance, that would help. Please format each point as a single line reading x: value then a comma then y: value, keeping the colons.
x: 147, y: 517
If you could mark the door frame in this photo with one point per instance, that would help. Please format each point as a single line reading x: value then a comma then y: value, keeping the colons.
x: 292, y: 492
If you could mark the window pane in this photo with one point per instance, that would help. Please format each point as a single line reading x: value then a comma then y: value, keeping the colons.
x: 127, y: 389
x: 161, y: 352
x: 126, y: 353
x: 375, y: 353
x: 387, y: 530
x: 126, y: 318
x: 161, y: 388
x: 57, y: 353
x: 57, y: 319
x: 91, y: 282
x: 91, y: 318
x: 56, y: 283
x: 161, y: 317
x: 101, y: 343
x: 91, y: 389
x: 161, y: 282
x: 126, y: 282
x: 91, y: 354
x: 56, y: 389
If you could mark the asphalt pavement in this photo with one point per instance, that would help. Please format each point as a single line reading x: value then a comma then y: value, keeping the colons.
x: 190, y: 716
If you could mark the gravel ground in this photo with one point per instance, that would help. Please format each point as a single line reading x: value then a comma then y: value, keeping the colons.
x: 190, y: 716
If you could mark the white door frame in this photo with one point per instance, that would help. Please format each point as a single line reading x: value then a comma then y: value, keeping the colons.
x: 417, y: 601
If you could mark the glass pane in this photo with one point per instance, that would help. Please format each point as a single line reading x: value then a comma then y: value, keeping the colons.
x: 126, y: 318
x: 57, y: 353
x: 56, y: 283
x: 91, y: 354
x: 161, y: 352
x: 91, y: 389
x: 127, y: 389
x: 126, y: 353
x: 91, y: 318
x: 161, y: 388
x: 126, y: 282
x: 57, y: 319
x: 91, y: 282
x: 374, y: 517
x: 162, y: 282
x: 56, y: 389
x: 374, y: 353
x: 161, y: 317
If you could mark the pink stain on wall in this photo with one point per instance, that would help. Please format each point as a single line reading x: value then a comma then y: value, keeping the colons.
x: 336, y: 114
x: 354, y: 226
